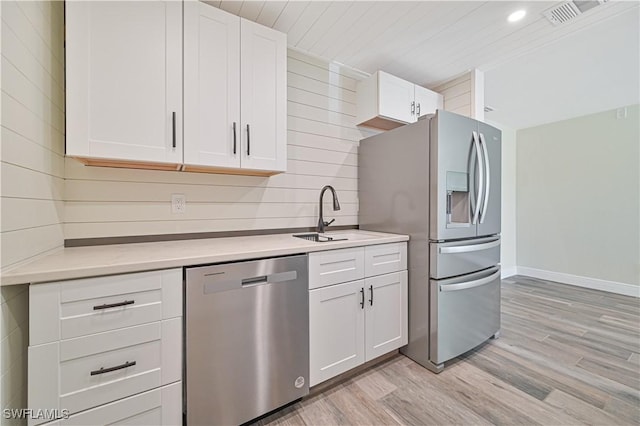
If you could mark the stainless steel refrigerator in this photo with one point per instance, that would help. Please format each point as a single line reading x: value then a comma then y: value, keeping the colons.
x: 438, y: 180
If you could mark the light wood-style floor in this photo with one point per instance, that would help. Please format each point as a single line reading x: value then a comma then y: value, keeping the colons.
x: 566, y: 356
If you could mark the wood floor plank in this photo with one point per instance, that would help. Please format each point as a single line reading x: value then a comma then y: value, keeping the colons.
x: 420, y: 400
x: 357, y: 407
x: 492, y: 395
x: 623, y: 412
x: 576, y: 408
x: 566, y: 356
x: 375, y: 385
x: 625, y: 376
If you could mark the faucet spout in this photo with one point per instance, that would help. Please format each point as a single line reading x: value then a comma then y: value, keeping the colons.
x: 336, y: 206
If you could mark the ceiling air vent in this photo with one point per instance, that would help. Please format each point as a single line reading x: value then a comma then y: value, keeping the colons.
x: 562, y: 13
x: 566, y: 11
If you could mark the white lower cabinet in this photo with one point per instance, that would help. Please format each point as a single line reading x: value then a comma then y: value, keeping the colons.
x: 162, y: 406
x: 336, y: 320
x: 125, y: 357
x: 386, y: 314
x: 354, y: 322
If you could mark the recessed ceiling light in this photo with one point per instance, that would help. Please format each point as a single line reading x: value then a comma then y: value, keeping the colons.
x: 517, y: 15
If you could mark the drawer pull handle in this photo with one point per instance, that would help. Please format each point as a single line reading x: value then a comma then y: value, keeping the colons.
x: 469, y: 248
x: 114, y: 305
x: 110, y: 369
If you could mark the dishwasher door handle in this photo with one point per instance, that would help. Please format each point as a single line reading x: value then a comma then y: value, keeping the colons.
x: 277, y: 277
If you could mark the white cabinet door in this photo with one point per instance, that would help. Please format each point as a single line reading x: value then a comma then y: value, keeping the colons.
x: 395, y: 98
x: 427, y: 101
x: 263, y: 85
x: 336, y: 325
x: 386, y: 313
x: 211, y: 86
x: 124, y: 80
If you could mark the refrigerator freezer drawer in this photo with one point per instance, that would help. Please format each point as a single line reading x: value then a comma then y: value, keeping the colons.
x: 465, y: 311
x: 463, y: 257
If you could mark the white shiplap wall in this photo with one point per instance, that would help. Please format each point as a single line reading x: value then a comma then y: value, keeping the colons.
x: 464, y: 95
x: 31, y: 168
x: 322, y: 149
x: 14, y: 336
x: 32, y: 129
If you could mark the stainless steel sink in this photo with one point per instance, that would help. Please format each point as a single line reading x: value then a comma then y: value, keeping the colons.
x: 320, y: 238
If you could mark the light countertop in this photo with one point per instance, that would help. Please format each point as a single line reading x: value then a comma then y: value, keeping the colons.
x: 82, y: 262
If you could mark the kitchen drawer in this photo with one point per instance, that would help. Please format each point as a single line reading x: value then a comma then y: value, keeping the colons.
x: 70, y: 309
x: 463, y: 257
x: 385, y: 259
x: 465, y: 311
x: 67, y: 374
x: 335, y: 266
x: 162, y: 406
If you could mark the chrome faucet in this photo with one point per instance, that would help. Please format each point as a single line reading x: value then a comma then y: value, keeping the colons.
x: 336, y: 206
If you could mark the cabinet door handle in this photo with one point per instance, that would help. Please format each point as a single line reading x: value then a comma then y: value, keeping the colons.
x: 418, y: 110
x: 413, y: 107
x: 173, y: 128
x: 114, y: 305
x: 362, y: 297
x: 248, y: 141
x: 103, y: 370
x: 371, y: 300
x: 234, y: 138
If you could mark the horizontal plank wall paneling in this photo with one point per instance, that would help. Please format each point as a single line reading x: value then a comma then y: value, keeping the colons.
x: 32, y: 130
x: 31, y: 169
x: 322, y: 150
x: 464, y: 95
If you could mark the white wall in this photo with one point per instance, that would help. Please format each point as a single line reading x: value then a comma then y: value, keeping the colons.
x: 31, y: 168
x: 508, y: 185
x: 322, y: 149
x: 578, y: 201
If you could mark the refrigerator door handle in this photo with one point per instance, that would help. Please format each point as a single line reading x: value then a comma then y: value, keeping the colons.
x: 481, y: 176
x: 469, y: 248
x: 470, y: 284
x: 485, y: 154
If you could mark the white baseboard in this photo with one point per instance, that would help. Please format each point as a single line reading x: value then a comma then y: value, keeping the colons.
x: 508, y: 272
x: 586, y: 282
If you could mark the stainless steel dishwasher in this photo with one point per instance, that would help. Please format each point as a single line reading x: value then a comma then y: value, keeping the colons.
x: 246, y: 339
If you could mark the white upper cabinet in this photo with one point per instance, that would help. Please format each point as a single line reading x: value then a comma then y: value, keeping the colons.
x: 126, y: 90
x: 211, y: 86
x: 124, y: 81
x: 263, y: 86
x: 385, y: 101
x: 395, y: 98
x: 427, y: 101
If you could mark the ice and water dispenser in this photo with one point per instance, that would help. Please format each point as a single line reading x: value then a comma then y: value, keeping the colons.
x: 458, y: 210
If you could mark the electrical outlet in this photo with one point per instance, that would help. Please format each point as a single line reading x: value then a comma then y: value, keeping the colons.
x: 178, y: 203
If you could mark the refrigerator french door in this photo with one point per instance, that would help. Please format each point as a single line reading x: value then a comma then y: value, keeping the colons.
x: 465, y: 177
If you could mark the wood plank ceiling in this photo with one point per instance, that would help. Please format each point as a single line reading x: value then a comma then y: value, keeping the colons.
x: 427, y: 42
